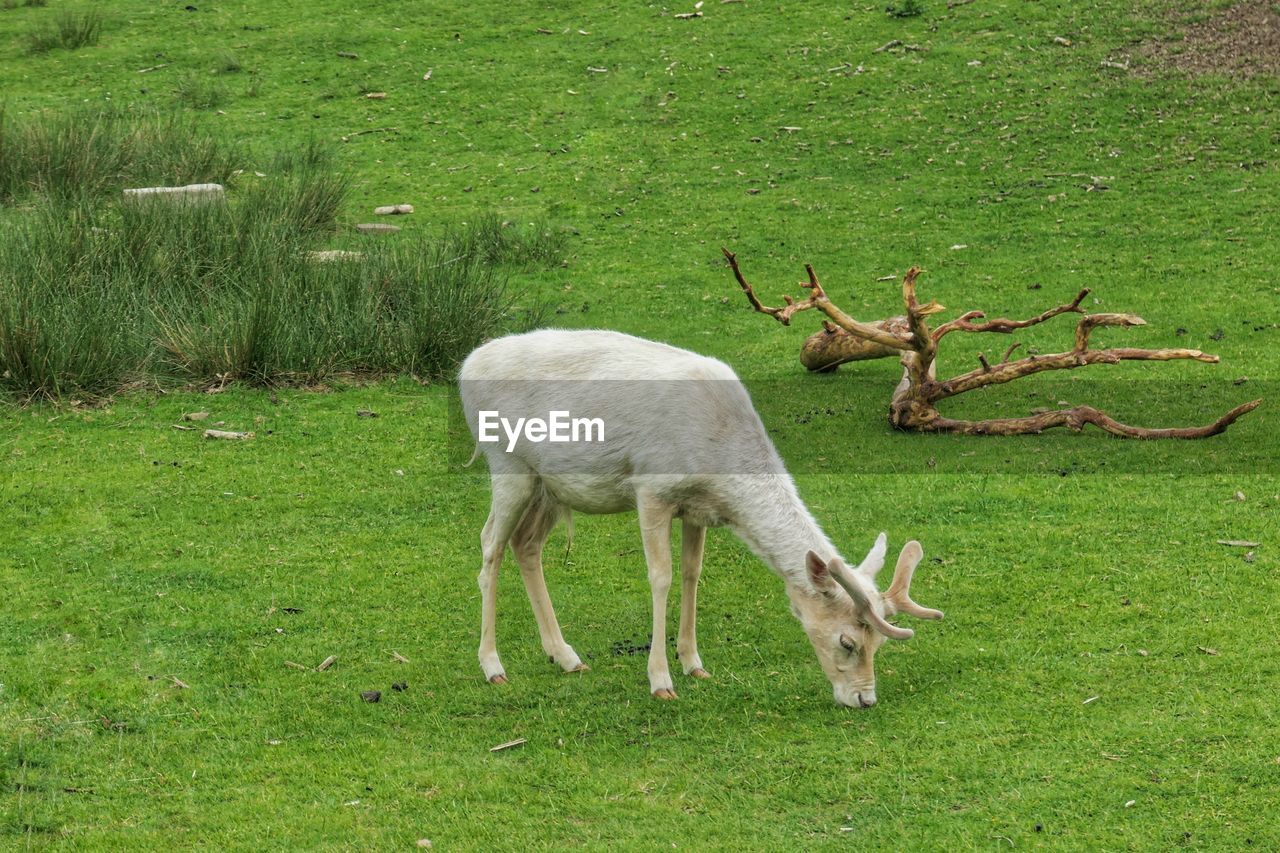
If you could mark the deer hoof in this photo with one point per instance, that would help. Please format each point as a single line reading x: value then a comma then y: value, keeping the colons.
x: 500, y: 678
x: 664, y: 694
x: 699, y: 672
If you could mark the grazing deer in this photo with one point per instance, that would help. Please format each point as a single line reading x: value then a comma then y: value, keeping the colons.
x: 681, y: 439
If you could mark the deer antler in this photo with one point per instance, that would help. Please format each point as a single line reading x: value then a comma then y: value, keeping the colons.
x: 914, y: 403
x: 898, y: 595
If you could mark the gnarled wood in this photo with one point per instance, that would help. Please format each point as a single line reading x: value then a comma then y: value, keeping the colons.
x: 914, y: 403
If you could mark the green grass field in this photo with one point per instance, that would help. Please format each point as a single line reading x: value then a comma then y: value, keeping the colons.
x: 1106, y: 674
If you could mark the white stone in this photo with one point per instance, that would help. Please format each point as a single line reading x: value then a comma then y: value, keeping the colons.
x: 191, y: 192
x: 328, y: 255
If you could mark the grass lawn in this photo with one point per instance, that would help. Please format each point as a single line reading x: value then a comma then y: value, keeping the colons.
x: 1107, y: 671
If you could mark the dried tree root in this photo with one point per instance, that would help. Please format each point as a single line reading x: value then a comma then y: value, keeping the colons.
x: 914, y: 404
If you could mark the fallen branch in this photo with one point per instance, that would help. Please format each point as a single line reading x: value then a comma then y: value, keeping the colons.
x: 914, y: 404
x: 348, y: 137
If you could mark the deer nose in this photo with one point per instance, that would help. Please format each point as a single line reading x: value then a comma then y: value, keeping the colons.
x: 857, y: 698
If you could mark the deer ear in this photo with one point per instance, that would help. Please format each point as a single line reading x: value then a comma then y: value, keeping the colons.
x: 818, y: 571
x: 874, y: 561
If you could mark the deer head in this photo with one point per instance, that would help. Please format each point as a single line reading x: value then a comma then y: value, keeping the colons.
x: 846, y: 617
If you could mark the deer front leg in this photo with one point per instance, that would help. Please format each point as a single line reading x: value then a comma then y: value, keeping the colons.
x: 692, y: 538
x: 655, y: 531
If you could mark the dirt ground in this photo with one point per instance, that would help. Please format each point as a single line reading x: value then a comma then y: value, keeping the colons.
x: 1241, y: 41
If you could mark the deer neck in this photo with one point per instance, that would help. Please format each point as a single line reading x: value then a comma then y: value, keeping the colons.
x: 778, y: 528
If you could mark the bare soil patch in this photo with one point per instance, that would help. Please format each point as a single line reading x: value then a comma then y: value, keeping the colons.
x: 1240, y: 41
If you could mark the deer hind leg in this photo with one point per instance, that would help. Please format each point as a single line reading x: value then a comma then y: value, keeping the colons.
x: 526, y: 543
x: 692, y: 538
x: 512, y: 493
x: 655, y: 531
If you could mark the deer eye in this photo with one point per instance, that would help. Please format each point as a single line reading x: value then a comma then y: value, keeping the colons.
x: 847, y: 643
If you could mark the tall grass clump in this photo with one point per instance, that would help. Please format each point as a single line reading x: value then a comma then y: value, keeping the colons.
x: 416, y: 306
x: 307, y: 187
x: 200, y: 92
x: 98, y: 291
x: 93, y: 151
x: 70, y: 29
x: 95, y: 297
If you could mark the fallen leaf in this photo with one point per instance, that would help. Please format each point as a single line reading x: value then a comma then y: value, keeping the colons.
x: 1207, y: 650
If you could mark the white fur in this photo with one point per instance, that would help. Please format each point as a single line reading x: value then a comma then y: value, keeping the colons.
x: 685, y: 444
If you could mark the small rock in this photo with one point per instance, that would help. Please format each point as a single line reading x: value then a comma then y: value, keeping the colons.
x: 195, y: 416
x: 1217, y: 335
x: 371, y: 695
x: 400, y: 686
x: 377, y: 228
x: 1250, y: 556
x: 1240, y: 381
x: 365, y: 413
x: 393, y: 209
x: 227, y: 434
x: 1238, y: 496
x: 328, y: 255
x: 424, y: 843
x: 346, y: 54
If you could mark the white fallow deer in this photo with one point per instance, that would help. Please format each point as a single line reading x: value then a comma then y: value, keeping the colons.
x: 681, y: 440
